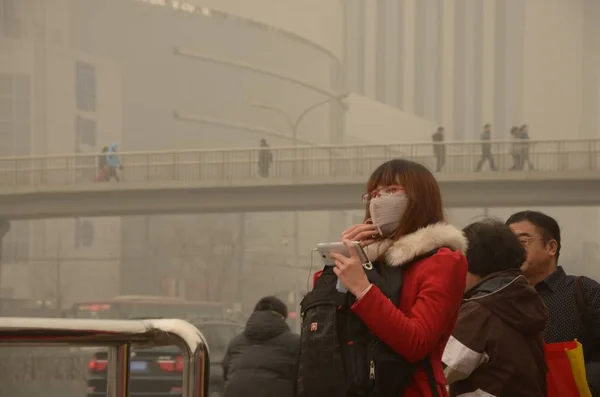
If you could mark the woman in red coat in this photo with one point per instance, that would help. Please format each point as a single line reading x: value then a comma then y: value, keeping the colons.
x: 404, y: 208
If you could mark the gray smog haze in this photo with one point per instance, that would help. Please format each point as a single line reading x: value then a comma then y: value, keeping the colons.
x: 78, y: 75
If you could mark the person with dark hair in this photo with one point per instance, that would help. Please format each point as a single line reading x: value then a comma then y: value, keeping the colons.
x: 573, y: 302
x: 265, y: 158
x: 486, y: 148
x: 102, y: 175
x: 517, y: 150
x: 439, y: 148
x: 403, y: 324
x: 505, y: 356
x: 261, y: 361
x: 523, y: 135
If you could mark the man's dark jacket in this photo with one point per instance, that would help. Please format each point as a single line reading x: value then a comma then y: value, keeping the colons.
x: 261, y: 361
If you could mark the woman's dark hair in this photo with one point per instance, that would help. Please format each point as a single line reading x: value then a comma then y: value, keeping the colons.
x: 271, y: 304
x: 547, y: 225
x: 493, y: 247
x: 424, y: 198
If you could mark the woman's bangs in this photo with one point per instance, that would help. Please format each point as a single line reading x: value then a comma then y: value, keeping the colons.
x: 384, y: 175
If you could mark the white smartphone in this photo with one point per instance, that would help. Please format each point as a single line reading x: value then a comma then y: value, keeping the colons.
x: 324, y: 249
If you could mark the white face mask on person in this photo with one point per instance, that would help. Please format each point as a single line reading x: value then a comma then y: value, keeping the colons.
x: 386, y: 212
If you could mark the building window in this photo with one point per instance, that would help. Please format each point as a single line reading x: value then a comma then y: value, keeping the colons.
x: 9, y: 23
x: 15, y: 115
x: 85, y: 86
x: 84, y: 233
x: 85, y: 130
x: 16, y: 243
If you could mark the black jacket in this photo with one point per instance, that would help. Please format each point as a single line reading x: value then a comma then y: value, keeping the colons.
x: 261, y: 361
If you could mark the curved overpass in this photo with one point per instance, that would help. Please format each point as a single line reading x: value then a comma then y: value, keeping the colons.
x: 566, y: 172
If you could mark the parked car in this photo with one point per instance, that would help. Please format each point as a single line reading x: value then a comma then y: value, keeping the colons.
x: 157, y: 371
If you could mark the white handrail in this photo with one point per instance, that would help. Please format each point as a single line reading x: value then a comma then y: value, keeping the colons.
x: 118, y: 335
x: 303, y: 148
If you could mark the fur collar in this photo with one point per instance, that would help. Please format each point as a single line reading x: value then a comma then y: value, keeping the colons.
x: 420, y: 242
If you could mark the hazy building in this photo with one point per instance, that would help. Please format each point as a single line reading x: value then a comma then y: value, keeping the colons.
x: 77, y: 75
x: 469, y: 62
x: 55, y: 99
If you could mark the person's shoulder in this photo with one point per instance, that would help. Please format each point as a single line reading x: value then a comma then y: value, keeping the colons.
x: 238, y: 341
x: 589, y: 285
x: 445, y: 264
x: 446, y: 258
x: 589, y: 282
x: 290, y: 340
x: 471, y: 308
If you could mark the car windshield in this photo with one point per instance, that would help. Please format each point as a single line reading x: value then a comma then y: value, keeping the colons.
x: 218, y: 336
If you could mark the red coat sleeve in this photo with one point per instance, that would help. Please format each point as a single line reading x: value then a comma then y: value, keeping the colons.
x: 413, y: 335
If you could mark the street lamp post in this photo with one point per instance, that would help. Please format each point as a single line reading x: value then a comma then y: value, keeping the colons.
x: 294, y: 126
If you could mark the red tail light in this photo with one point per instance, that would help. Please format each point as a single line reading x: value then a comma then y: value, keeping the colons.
x: 179, y: 364
x: 97, y: 365
x: 170, y: 365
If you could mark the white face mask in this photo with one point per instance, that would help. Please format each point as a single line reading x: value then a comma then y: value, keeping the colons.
x: 386, y: 212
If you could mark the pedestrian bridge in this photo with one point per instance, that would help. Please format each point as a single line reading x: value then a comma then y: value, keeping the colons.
x: 566, y: 173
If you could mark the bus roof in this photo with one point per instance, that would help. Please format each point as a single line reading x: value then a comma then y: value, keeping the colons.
x: 147, y: 298
x: 150, y: 299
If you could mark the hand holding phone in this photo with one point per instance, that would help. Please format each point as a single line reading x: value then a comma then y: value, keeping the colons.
x: 325, y: 249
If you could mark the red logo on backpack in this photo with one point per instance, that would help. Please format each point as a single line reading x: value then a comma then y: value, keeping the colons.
x: 313, y: 327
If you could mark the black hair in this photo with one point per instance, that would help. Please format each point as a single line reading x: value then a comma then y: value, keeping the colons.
x: 272, y: 304
x: 493, y: 247
x: 546, y: 224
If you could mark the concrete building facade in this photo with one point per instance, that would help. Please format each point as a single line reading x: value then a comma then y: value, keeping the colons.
x: 463, y: 63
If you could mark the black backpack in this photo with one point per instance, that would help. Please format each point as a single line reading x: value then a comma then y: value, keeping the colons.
x: 339, y: 356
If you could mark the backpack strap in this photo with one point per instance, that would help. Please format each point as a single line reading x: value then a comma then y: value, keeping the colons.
x: 430, y: 377
x: 394, y: 278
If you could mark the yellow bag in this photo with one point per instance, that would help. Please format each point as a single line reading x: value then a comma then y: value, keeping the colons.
x: 575, y: 357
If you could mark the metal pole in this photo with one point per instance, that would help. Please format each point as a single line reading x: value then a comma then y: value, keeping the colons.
x: 241, y: 246
x: 296, y: 264
x: 4, y: 229
x: 118, y: 371
x: 58, y: 284
x: 295, y: 145
x: 295, y: 222
x: 58, y: 276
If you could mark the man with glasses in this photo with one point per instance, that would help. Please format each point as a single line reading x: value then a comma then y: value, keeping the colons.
x: 573, y: 302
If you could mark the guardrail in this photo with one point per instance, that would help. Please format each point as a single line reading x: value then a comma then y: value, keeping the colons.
x: 296, y: 163
x: 34, y: 367
x: 118, y: 337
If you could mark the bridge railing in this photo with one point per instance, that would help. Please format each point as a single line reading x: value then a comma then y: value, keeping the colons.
x: 236, y: 165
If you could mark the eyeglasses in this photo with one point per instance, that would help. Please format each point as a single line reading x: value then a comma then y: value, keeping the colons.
x: 526, y: 241
x: 381, y: 192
